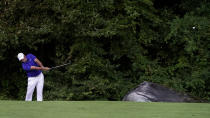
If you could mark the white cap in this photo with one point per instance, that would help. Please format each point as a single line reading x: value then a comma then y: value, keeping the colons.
x: 20, y: 56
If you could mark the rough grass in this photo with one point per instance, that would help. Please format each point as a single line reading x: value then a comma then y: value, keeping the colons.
x: 102, y: 109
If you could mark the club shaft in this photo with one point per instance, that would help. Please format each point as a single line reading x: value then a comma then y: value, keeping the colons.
x: 60, y: 65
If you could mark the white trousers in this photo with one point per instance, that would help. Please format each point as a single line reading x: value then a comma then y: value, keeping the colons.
x: 33, y: 82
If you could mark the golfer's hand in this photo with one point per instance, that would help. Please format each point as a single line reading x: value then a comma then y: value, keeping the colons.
x: 45, y: 68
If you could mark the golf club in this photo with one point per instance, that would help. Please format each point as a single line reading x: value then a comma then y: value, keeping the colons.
x: 60, y: 66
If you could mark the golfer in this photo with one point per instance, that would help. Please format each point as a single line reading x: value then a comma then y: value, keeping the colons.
x: 33, y: 68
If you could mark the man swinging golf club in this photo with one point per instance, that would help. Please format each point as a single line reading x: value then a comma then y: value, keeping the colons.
x: 33, y: 68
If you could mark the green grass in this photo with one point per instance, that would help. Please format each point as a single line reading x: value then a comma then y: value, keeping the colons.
x: 102, y: 109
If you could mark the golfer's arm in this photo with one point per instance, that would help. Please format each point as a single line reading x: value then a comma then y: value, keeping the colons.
x: 36, y: 68
x: 38, y: 62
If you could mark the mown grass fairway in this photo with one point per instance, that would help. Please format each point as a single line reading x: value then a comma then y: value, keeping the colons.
x: 102, y: 109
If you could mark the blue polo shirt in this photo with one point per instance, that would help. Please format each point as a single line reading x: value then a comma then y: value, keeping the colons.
x: 27, y: 66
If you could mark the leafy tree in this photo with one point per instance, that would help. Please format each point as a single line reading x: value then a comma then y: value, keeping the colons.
x: 113, y: 45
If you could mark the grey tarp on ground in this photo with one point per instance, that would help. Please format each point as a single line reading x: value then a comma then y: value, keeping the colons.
x: 151, y: 92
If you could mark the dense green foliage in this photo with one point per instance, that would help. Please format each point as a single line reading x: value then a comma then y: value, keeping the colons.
x: 113, y: 45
